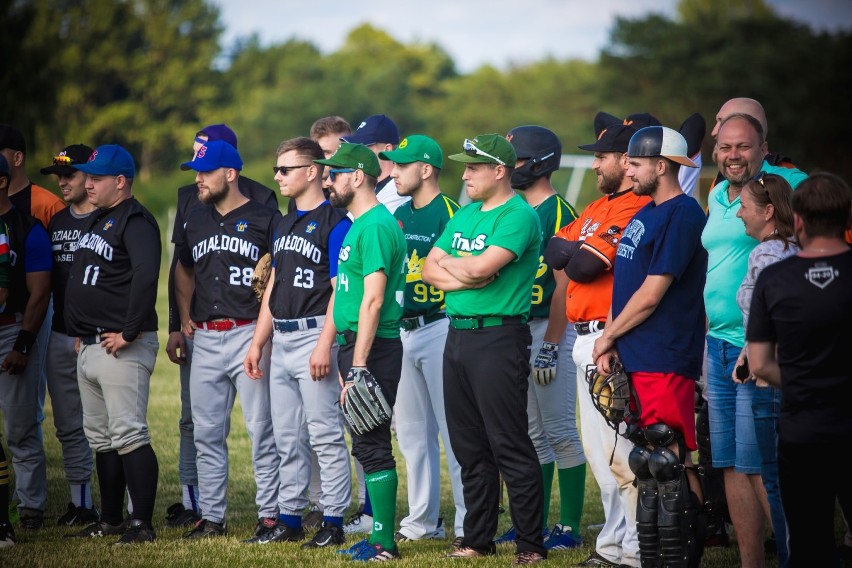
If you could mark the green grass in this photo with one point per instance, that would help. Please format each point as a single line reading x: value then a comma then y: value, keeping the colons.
x: 48, y: 548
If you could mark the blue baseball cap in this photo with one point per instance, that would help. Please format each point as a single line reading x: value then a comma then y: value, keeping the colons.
x: 109, y: 160
x: 375, y: 128
x: 214, y: 154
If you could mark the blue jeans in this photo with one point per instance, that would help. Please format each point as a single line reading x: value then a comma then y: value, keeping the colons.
x: 767, y: 409
x: 732, y: 432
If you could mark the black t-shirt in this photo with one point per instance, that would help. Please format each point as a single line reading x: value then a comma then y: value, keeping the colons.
x: 805, y: 306
x: 65, y: 230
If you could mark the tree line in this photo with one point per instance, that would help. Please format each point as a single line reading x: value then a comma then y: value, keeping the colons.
x: 148, y: 73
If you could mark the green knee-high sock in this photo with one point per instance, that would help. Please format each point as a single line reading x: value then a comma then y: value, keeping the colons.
x: 382, y: 487
x: 572, y: 490
x: 547, y: 470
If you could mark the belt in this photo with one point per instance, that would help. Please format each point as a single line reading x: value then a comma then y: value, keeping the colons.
x: 223, y: 324
x: 9, y: 319
x: 587, y: 327
x: 410, y: 324
x: 91, y: 339
x: 346, y: 337
x: 302, y: 324
x: 461, y: 322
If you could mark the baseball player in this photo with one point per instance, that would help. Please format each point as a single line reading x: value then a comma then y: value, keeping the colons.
x: 179, y: 346
x: 486, y: 357
x: 655, y: 329
x: 419, y: 409
x: 110, y: 306
x: 552, y: 392
x: 586, y: 250
x: 367, y: 309
x: 297, y: 312
x: 21, y: 316
x: 223, y: 240
x: 379, y: 133
x: 65, y: 229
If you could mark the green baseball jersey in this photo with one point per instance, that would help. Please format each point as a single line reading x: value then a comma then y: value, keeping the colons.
x: 374, y: 242
x: 421, y: 228
x: 513, y: 226
x: 553, y: 213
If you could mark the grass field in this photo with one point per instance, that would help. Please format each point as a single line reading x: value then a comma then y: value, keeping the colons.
x: 47, y: 548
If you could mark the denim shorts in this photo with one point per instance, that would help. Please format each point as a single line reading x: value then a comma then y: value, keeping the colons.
x: 732, y: 434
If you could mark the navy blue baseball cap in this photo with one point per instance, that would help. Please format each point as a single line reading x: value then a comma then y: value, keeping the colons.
x: 109, y: 160
x: 4, y: 167
x: 214, y: 154
x: 219, y: 132
x: 375, y: 128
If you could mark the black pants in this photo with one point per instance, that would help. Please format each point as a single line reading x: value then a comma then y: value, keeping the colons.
x: 374, y: 450
x: 485, y: 398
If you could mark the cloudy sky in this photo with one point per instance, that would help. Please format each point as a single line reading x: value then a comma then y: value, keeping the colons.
x: 476, y: 32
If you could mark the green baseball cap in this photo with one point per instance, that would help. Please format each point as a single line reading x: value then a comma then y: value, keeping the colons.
x: 355, y: 156
x: 416, y: 148
x: 487, y: 149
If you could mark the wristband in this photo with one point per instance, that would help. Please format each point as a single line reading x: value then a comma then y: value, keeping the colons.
x: 24, y: 342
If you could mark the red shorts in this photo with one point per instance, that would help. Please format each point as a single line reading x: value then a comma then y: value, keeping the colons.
x: 666, y: 398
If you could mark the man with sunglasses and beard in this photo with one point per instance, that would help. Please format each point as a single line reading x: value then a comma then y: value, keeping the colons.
x: 367, y: 309
x: 486, y: 261
x: 223, y: 241
x: 741, y: 154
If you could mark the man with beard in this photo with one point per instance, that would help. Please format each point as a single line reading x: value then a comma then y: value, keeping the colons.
x: 741, y: 152
x: 655, y: 331
x: 586, y: 250
x: 367, y: 310
x: 223, y: 240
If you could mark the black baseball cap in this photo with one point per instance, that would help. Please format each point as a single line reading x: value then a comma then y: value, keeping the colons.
x: 64, y: 161
x: 12, y: 138
x: 613, y: 134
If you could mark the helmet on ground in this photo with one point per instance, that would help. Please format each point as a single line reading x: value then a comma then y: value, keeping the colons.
x: 541, y: 149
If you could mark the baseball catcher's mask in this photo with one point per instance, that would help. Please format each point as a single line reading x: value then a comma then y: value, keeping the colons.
x: 610, y: 393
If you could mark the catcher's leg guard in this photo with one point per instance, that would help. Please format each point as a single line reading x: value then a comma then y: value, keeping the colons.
x: 679, y: 524
x: 646, y: 509
x: 715, y: 507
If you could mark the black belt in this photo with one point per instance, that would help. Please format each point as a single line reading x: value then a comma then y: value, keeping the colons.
x: 91, y: 339
x: 460, y: 322
x: 587, y: 327
x: 410, y: 324
x: 346, y: 337
x: 302, y: 324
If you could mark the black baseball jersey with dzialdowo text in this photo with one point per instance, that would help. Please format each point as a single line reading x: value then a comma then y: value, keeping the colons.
x: 300, y: 255
x: 223, y: 251
x: 113, y: 281
x: 65, y: 231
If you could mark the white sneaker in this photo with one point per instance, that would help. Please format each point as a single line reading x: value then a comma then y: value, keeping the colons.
x: 359, y: 523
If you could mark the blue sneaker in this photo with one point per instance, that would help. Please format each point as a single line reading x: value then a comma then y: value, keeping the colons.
x: 376, y: 553
x: 355, y: 548
x: 562, y: 538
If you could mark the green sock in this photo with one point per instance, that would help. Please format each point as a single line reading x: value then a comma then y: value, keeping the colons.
x: 382, y: 487
x: 547, y: 470
x: 572, y: 490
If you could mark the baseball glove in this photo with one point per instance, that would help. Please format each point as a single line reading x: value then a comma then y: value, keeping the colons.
x: 610, y: 393
x: 260, y: 277
x: 364, y: 405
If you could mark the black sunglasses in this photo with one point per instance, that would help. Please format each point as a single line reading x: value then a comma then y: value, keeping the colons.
x: 284, y: 170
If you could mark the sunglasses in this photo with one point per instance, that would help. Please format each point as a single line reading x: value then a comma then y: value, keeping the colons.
x: 284, y: 170
x: 333, y: 173
x: 471, y: 150
x: 62, y: 160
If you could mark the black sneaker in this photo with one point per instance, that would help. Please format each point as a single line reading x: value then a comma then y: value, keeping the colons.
x: 7, y: 535
x: 78, y: 516
x: 179, y: 516
x: 97, y: 529
x: 137, y: 531
x: 327, y: 535
x: 272, y: 530
x: 206, y: 529
x: 31, y: 519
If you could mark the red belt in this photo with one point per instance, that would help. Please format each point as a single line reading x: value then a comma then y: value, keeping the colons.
x: 9, y: 319
x: 223, y: 324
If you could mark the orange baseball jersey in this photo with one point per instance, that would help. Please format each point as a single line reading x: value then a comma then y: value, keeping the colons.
x: 599, y: 227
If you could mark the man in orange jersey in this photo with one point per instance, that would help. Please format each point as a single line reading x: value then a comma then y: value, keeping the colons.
x: 586, y: 249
